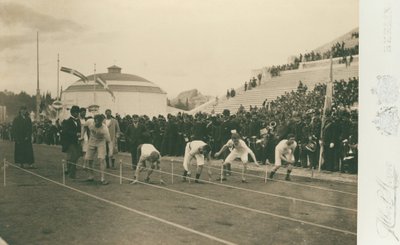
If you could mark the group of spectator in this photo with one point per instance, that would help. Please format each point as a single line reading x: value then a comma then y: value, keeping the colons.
x: 44, y: 132
x: 276, y: 70
x: 337, y: 50
x: 252, y: 82
x: 346, y: 93
x: 297, y: 112
x: 5, y: 131
x: 230, y: 93
x: 354, y: 35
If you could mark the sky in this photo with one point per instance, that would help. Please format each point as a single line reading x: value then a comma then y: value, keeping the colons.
x: 210, y: 45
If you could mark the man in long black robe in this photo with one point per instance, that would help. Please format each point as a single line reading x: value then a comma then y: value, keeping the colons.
x: 22, y: 132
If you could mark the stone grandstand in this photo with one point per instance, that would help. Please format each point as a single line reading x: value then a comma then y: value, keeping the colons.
x: 309, y: 73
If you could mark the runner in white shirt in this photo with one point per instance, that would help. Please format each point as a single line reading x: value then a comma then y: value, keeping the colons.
x: 113, y: 127
x: 149, y: 159
x: 284, y: 155
x: 239, y: 149
x: 198, y: 150
x: 98, y: 138
x: 84, y: 134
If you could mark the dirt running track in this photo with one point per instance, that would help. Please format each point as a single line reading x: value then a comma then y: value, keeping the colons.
x: 37, y: 211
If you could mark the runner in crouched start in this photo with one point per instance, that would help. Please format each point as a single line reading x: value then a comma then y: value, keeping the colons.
x: 284, y: 155
x: 149, y: 159
x: 239, y: 149
x: 196, y: 149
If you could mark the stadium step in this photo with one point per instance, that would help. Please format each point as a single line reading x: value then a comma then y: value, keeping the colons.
x: 277, y: 86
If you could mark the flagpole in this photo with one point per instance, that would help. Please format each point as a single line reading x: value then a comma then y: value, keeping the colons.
x: 94, y: 85
x: 327, y: 104
x: 58, y: 84
x: 58, y: 76
x: 37, y: 75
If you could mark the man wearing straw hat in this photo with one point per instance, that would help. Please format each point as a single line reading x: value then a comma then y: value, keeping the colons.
x: 98, y: 138
x: 284, y: 155
x: 149, y: 159
x: 196, y: 149
x: 239, y: 149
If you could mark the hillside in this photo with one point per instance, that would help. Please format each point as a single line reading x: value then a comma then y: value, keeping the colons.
x: 190, y: 99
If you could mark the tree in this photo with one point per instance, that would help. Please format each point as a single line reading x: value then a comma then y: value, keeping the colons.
x: 14, y: 101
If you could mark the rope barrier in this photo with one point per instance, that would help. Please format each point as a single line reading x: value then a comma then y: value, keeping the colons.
x: 120, y: 171
x: 222, y: 173
x: 198, y: 197
x: 292, y: 183
x: 172, y: 171
x: 4, y: 172
x: 131, y: 209
x: 282, y: 181
x: 63, y: 171
x: 258, y: 192
x: 266, y: 174
x: 244, y: 189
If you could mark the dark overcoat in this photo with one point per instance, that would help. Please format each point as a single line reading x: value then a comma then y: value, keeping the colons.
x: 22, y: 133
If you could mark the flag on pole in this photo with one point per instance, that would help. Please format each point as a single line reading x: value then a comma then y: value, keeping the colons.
x: 327, y: 108
x: 329, y: 91
x: 75, y: 73
x: 105, y: 86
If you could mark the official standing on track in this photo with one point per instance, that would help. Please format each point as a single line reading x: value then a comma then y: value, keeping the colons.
x: 196, y: 149
x: 22, y: 132
x: 113, y: 127
x: 134, y: 138
x: 70, y: 137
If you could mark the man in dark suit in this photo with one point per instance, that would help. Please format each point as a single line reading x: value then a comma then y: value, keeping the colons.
x: 22, y: 132
x: 134, y: 138
x: 331, y: 143
x: 71, y: 137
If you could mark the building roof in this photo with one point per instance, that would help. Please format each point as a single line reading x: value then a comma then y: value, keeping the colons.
x: 116, y: 82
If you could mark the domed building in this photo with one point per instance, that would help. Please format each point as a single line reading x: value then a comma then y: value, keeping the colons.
x: 125, y: 94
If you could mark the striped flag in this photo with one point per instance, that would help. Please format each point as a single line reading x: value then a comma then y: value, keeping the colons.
x: 327, y: 108
x: 329, y: 91
x: 105, y: 86
x: 75, y: 73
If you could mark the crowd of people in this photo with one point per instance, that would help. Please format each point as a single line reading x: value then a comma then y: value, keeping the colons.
x: 262, y: 128
x: 44, y: 132
x: 252, y: 82
x: 337, y: 50
x: 230, y: 93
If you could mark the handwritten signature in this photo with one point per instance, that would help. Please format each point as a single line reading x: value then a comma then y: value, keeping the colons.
x: 387, y: 205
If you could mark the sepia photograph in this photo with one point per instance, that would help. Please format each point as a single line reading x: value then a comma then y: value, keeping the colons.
x: 190, y: 122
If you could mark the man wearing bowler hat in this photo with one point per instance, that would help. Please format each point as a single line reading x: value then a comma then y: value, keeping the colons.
x: 70, y: 140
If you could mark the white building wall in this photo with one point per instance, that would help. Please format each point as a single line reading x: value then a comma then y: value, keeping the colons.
x: 126, y: 103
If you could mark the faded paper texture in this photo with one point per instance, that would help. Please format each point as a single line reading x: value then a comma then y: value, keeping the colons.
x: 378, y: 217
